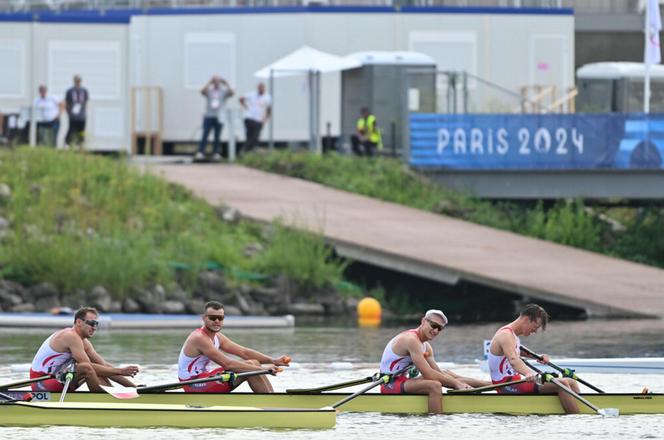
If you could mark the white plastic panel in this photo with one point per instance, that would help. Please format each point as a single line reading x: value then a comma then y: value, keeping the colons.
x: 98, y: 63
x: 207, y: 54
x: 12, y: 68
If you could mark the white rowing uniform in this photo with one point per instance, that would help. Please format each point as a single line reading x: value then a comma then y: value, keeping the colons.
x: 49, y: 361
x: 392, y: 362
x: 189, y: 367
x: 499, y: 366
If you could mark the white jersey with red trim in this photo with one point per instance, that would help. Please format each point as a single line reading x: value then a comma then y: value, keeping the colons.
x: 48, y: 360
x: 189, y: 367
x: 391, y: 362
x: 499, y: 367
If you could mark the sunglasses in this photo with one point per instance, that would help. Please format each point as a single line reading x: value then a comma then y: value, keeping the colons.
x: 215, y: 317
x: 434, y: 325
x: 91, y: 322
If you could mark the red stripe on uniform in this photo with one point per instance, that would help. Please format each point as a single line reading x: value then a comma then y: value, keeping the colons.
x: 191, y: 364
x: 396, y: 362
x: 501, y: 367
x: 50, y: 358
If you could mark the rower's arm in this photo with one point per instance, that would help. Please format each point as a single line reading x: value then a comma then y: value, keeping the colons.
x: 424, y: 364
x: 507, y: 343
x: 77, y: 348
x: 249, y: 353
x: 205, y: 346
x: 95, y: 357
x: 431, y: 360
x: 106, y: 369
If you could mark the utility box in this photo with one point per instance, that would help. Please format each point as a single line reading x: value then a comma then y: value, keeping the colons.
x: 618, y: 87
x: 391, y: 85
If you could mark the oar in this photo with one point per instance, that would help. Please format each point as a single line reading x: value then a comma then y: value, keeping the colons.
x: 487, y: 387
x: 612, y: 412
x: 565, y: 371
x: 68, y: 377
x: 337, y: 386
x: 132, y: 393
x: 382, y: 379
x: 25, y: 382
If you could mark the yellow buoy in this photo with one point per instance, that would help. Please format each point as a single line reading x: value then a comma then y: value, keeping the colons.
x: 369, y: 312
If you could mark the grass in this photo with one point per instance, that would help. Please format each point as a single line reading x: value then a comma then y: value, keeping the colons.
x: 79, y: 220
x: 568, y: 222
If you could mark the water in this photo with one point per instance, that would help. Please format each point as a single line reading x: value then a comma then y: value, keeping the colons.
x: 315, y: 349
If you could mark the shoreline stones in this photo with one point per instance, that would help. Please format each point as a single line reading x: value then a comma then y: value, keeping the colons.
x: 280, y: 296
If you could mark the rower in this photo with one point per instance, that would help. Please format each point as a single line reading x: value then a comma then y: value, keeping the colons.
x: 413, y: 347
x: 71, y: 347
x: 207, y: 344
x: 506, y: 365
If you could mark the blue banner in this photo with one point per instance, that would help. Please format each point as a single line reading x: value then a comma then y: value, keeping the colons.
x: 504, y: 141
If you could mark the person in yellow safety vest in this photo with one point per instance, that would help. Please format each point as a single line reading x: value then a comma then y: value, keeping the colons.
x: 367, y: 137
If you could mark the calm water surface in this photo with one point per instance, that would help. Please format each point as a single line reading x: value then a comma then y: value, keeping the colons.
x: 338, y: 352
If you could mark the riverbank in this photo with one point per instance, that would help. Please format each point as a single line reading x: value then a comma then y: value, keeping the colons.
x: 81, y: 229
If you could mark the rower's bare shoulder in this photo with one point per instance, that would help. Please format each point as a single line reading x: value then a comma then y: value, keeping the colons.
x: 503, y: 339
x: 408, y: 341
x: 197, y: 339
x: 67, y: 334
x: 64, y: 340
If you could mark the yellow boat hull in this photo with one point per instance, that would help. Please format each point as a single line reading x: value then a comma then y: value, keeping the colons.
x: 141, y: 415
x: 374, y: 402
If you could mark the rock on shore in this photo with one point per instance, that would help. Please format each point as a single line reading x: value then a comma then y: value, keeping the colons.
x: 280, y: 296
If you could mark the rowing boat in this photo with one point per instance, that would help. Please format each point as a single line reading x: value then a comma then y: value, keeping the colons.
x: 375, y: 402
x: 141, y: 415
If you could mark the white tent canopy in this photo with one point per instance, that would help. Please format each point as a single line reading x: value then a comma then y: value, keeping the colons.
x: 312, y: 62
x: 307, y: 59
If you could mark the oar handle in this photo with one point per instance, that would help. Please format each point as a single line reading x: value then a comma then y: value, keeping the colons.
x: 487, y: 387
x: 227, y: 376
x: 565, y: 371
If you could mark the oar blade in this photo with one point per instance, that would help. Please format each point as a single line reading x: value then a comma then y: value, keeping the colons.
x: 121, y: 392
x: 609, y: 412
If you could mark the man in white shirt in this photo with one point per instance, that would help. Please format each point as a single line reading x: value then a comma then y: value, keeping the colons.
x: 258, y: 108
x: 216, y: 92
x: 47, y: 114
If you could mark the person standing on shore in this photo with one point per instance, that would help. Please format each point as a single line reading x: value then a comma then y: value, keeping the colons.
x: 72, y: 346
x: 216, y: 92
x: 208, y: 344
x: 76, y: 102
x: 47, y: 111
x: 258, y: 109
x: 506, y: 365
